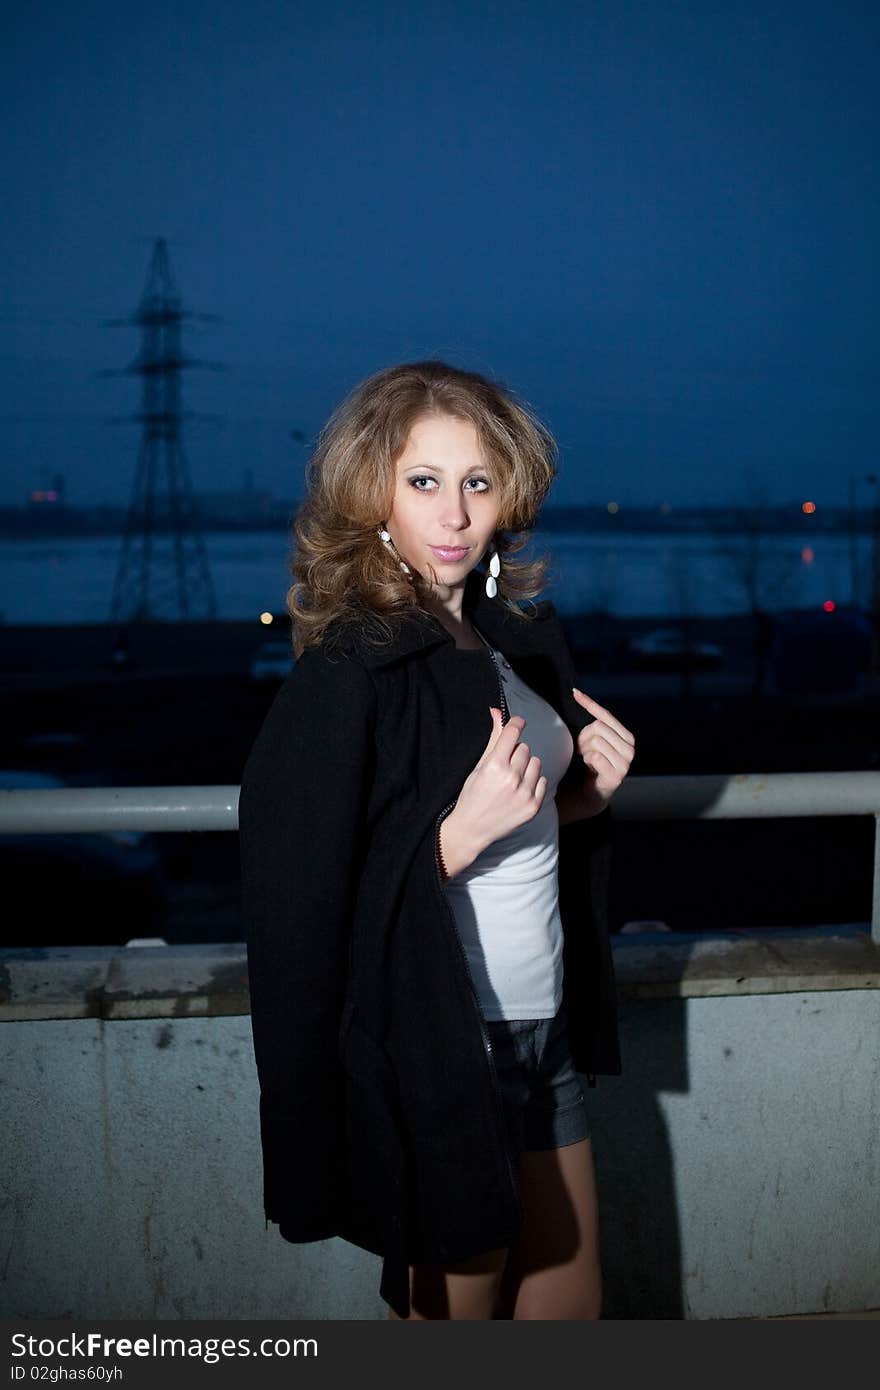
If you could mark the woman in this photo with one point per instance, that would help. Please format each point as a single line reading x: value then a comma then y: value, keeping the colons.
x: 427, y: 949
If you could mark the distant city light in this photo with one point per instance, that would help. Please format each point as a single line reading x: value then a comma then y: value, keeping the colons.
x: 665, y: 507
x: 265, y: 619
x: 47, y: 496
x: 829, y: 605
x: 808, y: 506
x: 612, y: 507
x: 808, y: 555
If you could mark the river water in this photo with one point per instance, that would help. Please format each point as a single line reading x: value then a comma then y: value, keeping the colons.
x: 71, y: 580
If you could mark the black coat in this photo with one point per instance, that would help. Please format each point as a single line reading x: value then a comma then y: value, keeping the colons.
x: 380, y: 1111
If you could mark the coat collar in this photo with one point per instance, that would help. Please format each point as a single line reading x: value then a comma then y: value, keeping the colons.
x: 418, y: 631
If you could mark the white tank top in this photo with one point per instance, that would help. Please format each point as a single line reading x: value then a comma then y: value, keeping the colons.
x: 506, y: 903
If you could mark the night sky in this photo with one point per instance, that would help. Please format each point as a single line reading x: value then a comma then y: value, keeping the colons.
x: 658, y: 222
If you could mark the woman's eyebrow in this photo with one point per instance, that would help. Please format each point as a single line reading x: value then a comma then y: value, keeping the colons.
x: 438, y: 467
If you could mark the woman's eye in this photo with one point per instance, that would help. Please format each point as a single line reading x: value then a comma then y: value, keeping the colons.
x: 414, y: 482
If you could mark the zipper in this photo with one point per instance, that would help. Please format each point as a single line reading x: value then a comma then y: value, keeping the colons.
x: 484, y: 1032
x: 505, y: 712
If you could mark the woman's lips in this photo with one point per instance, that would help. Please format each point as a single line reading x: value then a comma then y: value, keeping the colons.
x: 450, y: 552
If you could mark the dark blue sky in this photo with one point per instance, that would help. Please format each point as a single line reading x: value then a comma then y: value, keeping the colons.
x: 657, y: 221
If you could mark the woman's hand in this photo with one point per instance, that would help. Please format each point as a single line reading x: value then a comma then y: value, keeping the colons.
x: 607, y: 749
x: 505, y: 789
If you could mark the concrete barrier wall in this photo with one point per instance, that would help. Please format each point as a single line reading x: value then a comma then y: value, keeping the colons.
x: 737, y: 1157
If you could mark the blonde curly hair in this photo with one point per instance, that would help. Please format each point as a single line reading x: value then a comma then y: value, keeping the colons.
x: 341, y: 569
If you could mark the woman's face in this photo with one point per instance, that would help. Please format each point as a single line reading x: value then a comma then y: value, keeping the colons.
x: 443, y: 497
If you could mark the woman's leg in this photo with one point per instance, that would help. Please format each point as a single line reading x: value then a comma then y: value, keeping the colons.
x: 553, y: 1269
x: 466, y: 1291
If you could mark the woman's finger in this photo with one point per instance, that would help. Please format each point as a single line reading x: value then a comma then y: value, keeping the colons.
x: 605, y: 783
x: 594, y: 706
x: 532, y: 774
x: 618, y: 760
x: 601, y: 730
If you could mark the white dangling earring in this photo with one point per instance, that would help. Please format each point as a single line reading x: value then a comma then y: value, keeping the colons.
x: 386, y: 537
x: 494, y: 571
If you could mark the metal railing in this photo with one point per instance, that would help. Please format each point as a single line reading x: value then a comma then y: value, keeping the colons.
x: 743, y: 796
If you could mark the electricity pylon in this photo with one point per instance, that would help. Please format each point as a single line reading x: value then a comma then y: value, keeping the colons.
x: 163, y: 571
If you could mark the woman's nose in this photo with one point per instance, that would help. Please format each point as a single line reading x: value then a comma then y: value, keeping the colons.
x: 455, y: 514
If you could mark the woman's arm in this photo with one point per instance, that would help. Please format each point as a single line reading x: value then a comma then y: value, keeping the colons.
x: 301, y: 815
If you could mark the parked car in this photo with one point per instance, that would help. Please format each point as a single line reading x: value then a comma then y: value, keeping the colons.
x: 77, y: 889
x: 272, y: 660
x: 670, y: 649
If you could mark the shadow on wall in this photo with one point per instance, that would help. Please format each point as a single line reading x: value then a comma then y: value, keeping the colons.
x: 638, y: 1213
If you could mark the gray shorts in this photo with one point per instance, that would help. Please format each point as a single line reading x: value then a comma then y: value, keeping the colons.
x: 543, y: 1101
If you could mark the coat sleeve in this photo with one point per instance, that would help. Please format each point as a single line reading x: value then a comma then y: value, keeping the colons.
x: 301, y: 813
